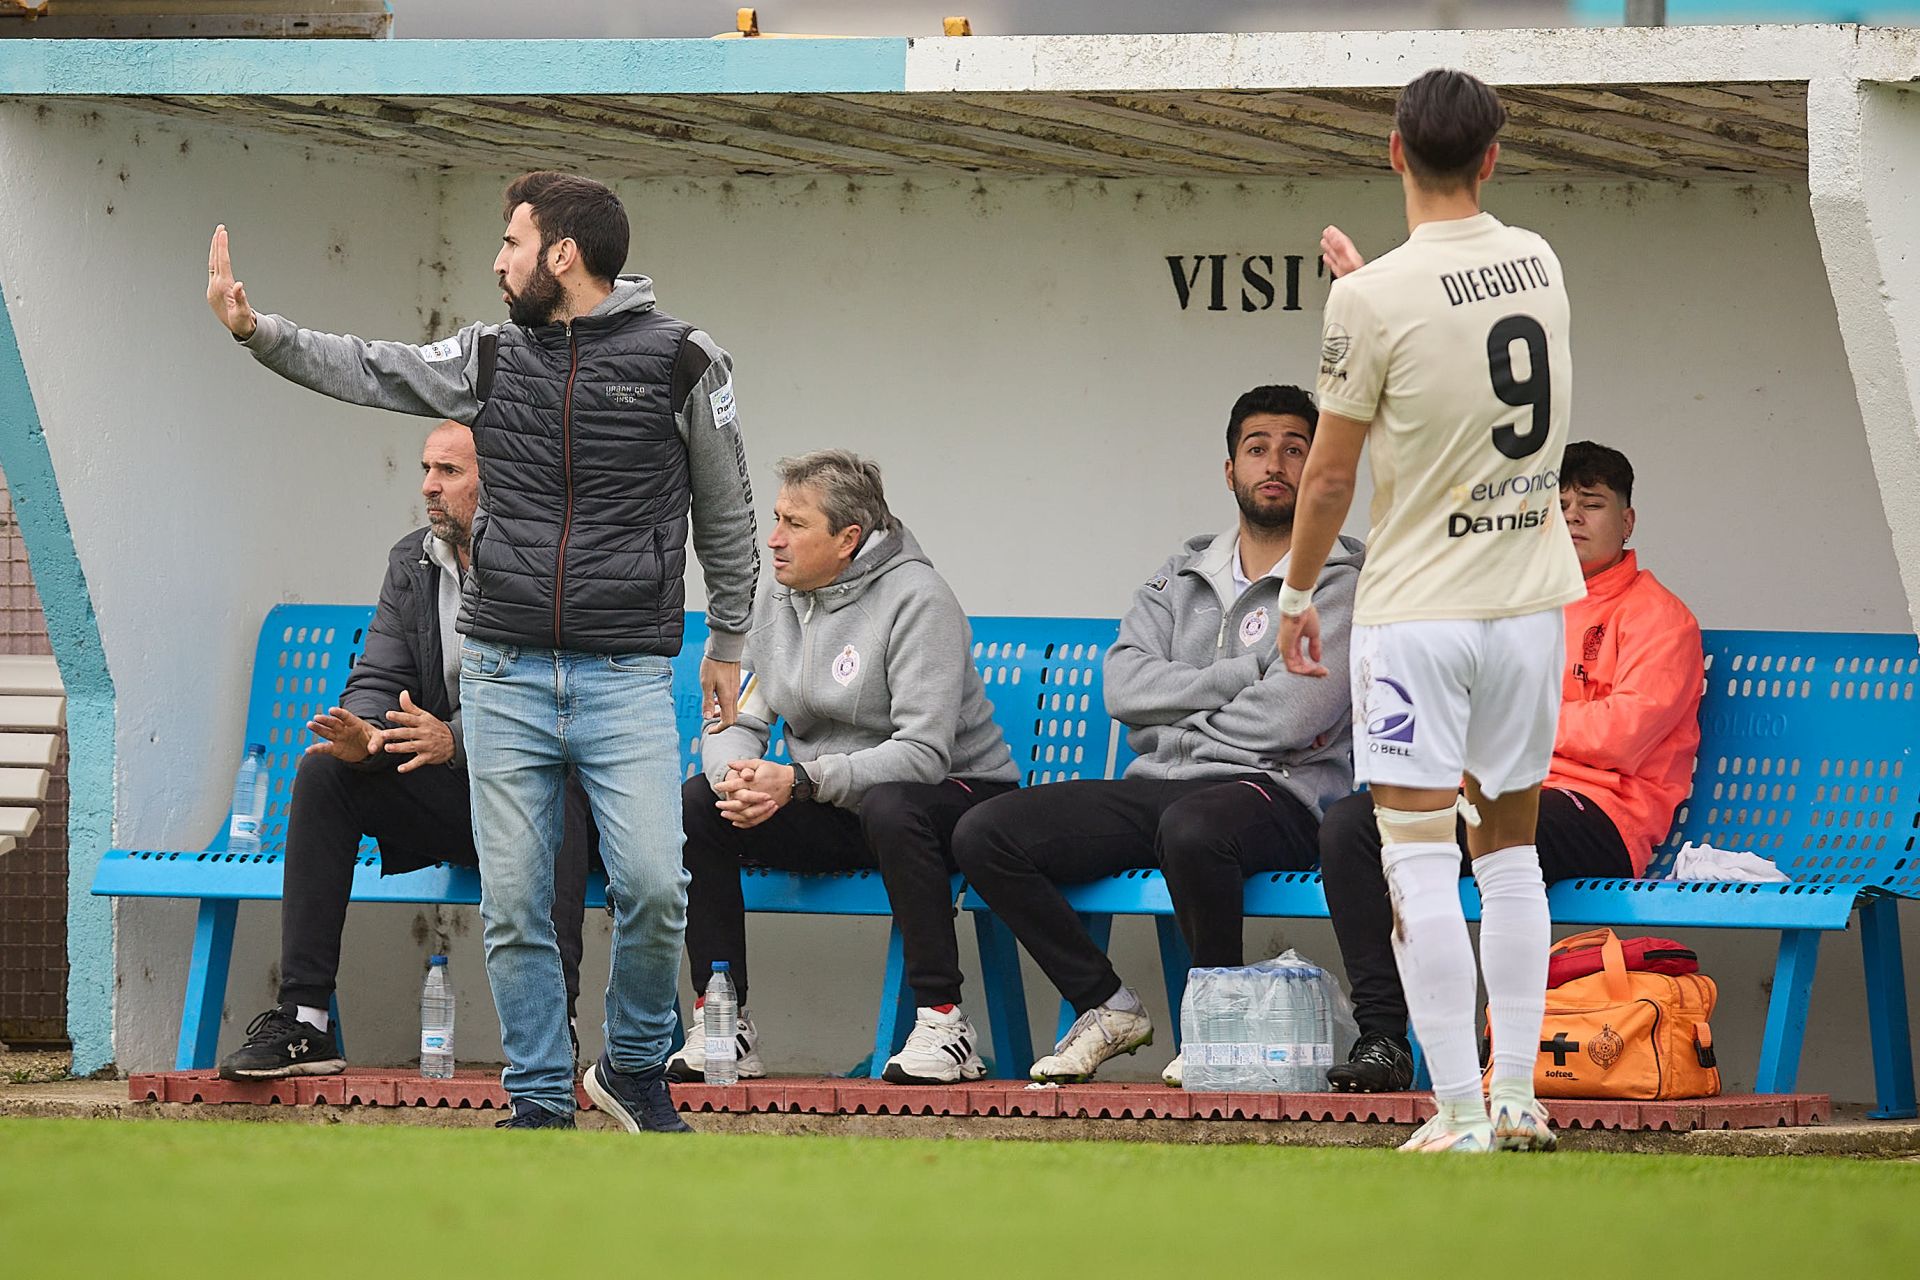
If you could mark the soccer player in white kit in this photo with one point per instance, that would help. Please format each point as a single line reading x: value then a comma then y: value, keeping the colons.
x: 1449, y: 355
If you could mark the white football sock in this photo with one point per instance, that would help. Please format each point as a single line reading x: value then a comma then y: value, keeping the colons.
x: 1515, y: 933
x: 315, y: 1018
x: 1435, y: 958
x: 1123, y: 1001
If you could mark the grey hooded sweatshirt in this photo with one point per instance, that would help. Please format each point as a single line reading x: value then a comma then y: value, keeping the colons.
x: 1197, y: 678
x: 874, y: 676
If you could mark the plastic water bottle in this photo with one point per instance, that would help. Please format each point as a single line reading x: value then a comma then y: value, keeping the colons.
x: 249, y: 812
x: 436, y: 1021
x: 1261, y: 1029
x: 721, y: 1014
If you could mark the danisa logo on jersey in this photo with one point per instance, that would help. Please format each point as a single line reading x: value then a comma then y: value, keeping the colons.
x: 1461, y: 524
x: 1390, y: 717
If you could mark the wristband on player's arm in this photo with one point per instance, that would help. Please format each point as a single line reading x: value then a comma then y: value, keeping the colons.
x: 1294, y: 601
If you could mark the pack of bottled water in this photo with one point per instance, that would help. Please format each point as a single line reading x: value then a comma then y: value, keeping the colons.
x: 1270, y: 1027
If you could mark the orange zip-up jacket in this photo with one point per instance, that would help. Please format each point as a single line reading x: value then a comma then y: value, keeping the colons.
x: 1630, y: 704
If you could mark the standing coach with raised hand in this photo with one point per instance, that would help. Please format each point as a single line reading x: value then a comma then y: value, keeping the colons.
x: 598, y: 420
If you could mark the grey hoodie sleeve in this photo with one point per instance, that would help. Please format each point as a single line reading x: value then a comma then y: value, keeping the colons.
x: 926, y: 665
x: 1144, y: 684
x: 1284, y: 712
x: 433, y: 381
x: 724, y: 535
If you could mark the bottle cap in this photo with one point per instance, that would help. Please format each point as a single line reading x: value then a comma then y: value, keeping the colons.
x: 436, y: 959
x: 720, y: 966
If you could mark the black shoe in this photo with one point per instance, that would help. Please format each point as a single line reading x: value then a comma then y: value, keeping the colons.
x: 531, y: 1115
x: 640, y: 1102
x: 1378, y: 1064
x: 279, y: 1045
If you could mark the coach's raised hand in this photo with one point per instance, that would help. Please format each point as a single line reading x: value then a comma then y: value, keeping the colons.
x: 227, y: 296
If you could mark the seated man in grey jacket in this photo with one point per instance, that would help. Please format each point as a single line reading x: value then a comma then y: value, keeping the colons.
x: 1236, y: 755
x: 390, y: 762
x: 860, y: 647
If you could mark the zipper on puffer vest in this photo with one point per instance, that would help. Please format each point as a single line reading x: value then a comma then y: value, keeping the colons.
x: 566, y: 464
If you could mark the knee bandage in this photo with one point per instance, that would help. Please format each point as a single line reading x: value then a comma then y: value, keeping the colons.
x: 1412, y: 826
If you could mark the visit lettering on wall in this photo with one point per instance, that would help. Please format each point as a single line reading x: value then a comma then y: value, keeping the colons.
x: 1240, y: 282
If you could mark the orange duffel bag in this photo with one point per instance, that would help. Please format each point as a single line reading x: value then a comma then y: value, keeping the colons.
x: 1626, y: 1035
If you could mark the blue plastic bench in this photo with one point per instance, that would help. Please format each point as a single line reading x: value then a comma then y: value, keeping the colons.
x: 1807, y: 756
x: 301, y: 662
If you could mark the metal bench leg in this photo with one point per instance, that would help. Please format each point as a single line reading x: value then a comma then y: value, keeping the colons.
x: 1175, y: 960
x: 896, y: 1006
x: 1422, y: 1078
x: 206, y: 985
x: 1100, y: 929
x: 1787, y: 1011
x: 1006, y: 996
x: 1887, y: 1009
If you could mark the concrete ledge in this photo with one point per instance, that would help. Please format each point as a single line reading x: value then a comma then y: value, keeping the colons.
x: 1850, y: 1134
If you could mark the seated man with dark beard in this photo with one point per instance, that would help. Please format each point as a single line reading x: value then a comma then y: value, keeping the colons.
x: 1237, y: 755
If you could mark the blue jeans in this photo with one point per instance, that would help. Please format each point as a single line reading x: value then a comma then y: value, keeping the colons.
x: 528, y: 715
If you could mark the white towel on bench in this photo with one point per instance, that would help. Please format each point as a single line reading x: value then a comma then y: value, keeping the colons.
x: 1704, y: 862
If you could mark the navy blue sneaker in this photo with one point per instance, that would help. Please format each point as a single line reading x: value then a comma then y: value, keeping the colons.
x: 531, y: 1115
x: 639, y: 1101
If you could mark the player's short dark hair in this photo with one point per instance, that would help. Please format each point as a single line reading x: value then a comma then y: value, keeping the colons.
x: 1447, y: 120
x: 1587, y: 463
x: 1275, y: 400
x: 567, y: 206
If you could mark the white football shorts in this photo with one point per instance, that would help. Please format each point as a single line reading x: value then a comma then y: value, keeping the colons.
x: 1434, y: 700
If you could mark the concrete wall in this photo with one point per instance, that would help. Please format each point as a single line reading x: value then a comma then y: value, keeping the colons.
x: 201, y: 491
x: 1013, y: 352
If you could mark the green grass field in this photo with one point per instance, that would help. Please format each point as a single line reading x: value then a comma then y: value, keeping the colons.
x: 95, y: 1198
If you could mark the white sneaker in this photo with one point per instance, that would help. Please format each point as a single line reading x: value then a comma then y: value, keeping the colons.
x: 939, y: 1050
x: 1175, y: 1071
x: 1520, y: 1124
x: 1096, y: 1035
x: 689, y: 1066
x: 1439, y: 1135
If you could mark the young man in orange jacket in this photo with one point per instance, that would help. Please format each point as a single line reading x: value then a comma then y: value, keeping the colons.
x: 1622, y: 758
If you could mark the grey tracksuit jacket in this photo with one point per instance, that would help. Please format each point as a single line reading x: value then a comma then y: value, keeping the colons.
x: 1197, y: 679
x: 874, y: 676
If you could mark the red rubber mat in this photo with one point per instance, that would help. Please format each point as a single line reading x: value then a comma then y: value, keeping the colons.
x: 834, y: 1096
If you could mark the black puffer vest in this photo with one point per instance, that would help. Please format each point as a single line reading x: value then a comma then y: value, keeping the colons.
x: 581, y: 539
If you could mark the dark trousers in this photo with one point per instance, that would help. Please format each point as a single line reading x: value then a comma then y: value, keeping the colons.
x: 419, y: 818
x: 903, y: 828
x: 1206, y: 836
x: 1575, y: 839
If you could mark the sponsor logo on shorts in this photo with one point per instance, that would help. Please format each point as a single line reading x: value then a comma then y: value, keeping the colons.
x: 1390, y: 715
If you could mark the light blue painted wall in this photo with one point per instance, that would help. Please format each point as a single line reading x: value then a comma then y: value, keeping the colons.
x: 452, y: 66
x: 90, y: 721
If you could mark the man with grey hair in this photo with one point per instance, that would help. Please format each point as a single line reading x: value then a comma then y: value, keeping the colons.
x: 861, y: 648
